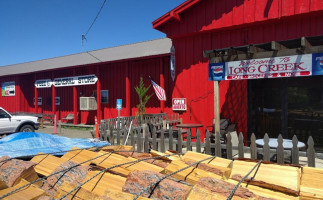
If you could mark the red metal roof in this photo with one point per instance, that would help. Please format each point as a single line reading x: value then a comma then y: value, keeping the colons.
x: 174, y: 14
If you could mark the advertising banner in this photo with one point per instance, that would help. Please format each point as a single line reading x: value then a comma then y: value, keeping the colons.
x: 45, y: 83
x: 275, y: 67
x: 75, y: 80
x: 179, y: 104
x: 8, y: 88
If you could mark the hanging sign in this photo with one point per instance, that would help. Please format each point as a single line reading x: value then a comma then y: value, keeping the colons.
x: 179, y: 104
x: 172, y: 63
x: 45, y: 83
x: 8, y: 88
x: 75, y: 80
x: 286, y: 66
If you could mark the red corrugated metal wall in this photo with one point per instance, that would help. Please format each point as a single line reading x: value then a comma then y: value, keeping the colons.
x: 216, y: 24
x: 220, y: 14
x: 112, y: 76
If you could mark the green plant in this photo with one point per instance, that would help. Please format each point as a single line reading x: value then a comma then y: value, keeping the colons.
x: 143, y: 97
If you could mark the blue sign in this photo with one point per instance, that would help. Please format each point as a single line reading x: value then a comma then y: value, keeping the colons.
x: 119, y: 104
x: 216, y: 71
x: 317, y: 67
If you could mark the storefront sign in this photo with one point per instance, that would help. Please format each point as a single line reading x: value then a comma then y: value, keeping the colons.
x: 172, y: 63
x: 45, y: 83
x: 179, y: 104
x: 286, y: 66
x: 75, y: 80
x: 8, y: 88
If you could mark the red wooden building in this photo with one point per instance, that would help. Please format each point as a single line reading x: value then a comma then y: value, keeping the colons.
x: 194, y: 27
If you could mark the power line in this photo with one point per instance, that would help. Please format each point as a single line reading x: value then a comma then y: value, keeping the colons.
x: 96, y: 17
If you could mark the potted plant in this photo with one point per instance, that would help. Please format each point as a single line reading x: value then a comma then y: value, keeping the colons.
x: 143, y: 98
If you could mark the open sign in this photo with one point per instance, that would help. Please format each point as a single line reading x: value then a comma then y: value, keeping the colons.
x: 179, y: 104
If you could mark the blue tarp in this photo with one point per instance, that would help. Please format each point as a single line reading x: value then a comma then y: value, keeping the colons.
x: 30, y: 143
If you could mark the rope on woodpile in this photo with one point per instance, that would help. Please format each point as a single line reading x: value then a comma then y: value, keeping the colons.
x: 236, y: 187
x: 64, y: 170
x: 168, y: 175
x: 115, y: 166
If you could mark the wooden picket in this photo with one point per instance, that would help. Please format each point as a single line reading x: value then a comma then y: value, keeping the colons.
x: 143, y: 140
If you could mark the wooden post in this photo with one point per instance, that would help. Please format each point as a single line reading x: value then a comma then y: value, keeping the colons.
x: 266, y: 150
x: 188, y: 140
x: 280, y: 150
x: 207, y: 143
x: 217, y: 145
x: 170, y: 143
x: 216, y: 107
x: 253, y: 147
x: 229, y: 147
x: 60, y: 126
x: 198, y: 141
x: 310, y: 152
x: 241, y: 146
x: 162, y: 141
x: 295, y: 151
x: 139, y: 141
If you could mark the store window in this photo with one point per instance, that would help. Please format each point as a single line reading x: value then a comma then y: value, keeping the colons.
x: 104, y: 96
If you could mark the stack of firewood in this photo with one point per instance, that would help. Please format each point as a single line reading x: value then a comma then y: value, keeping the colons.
x: 116, y: 172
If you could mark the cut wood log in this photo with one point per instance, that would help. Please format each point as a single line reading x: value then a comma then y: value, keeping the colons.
x: 118, y: 148
x: 264, y: 192
x: 224, y: 172
x: 214, y: 189
x: 115, y: 159
x: 311, y: 183
x: 112, y: 194
x: 66, y: 173
x: 139, y: 181
x: 273, y: 176
x: 29, y: 192
x: 12, y: 171
x: 82, y: 155
x: 218, y: 161
x: 168, y: 158
x: 80, y: 194
x: 100, y: 183
x: 46, y: 164
x: 190, y: 175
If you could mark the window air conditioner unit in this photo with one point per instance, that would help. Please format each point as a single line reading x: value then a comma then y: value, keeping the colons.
x: 88, y: 103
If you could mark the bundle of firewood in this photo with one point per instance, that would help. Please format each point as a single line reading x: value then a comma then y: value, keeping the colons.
x: 117, y: 172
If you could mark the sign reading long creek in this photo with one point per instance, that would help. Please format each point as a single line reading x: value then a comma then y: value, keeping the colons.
x: 75, y: 80
x: 286, y: 66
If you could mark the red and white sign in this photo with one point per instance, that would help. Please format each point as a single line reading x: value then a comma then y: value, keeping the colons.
x: 179, y: 104
x: 287, y: 66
